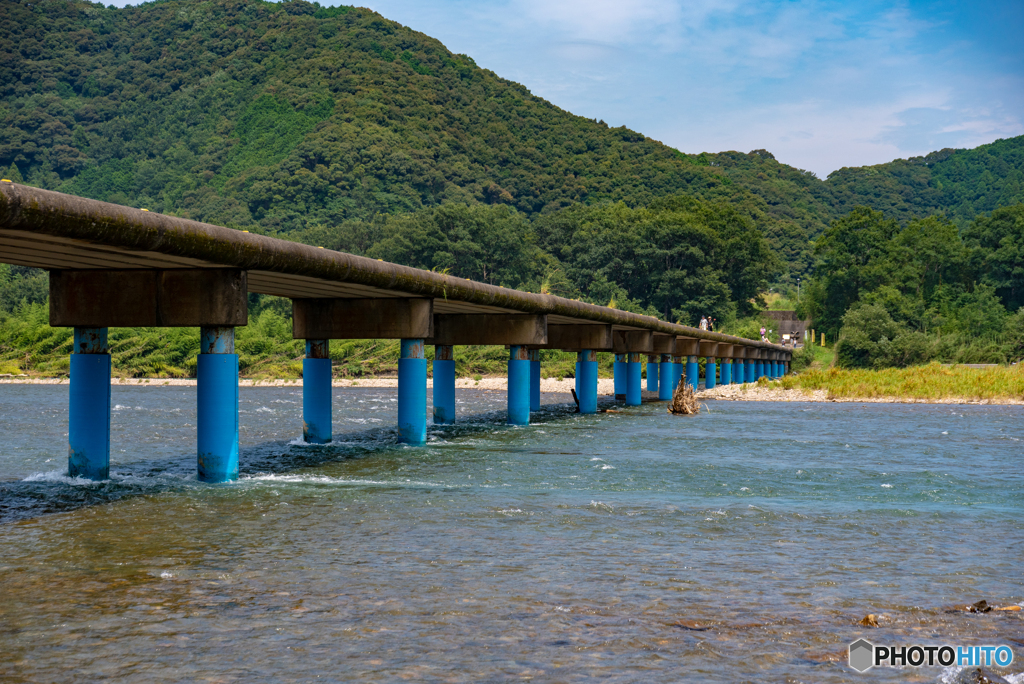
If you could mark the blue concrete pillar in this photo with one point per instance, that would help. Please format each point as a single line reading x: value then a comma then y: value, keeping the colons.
x: 444, y: 384
x: 316, y: 392
x: 692, y: 372
x: 750, y: 371
x: 586, y: 392
x: 653, y: 371
x: 677, y: 373
x: 727, y: 371
x: 710, y: 372
x: 666, y: 370
x: 773, y: 370
x: 412, y: 393
x: 217, y: 405
x: 634, y: 385
x: 518, y: 385
x: 535, y: 380
x: 619, y: 376
x: 89, y: 406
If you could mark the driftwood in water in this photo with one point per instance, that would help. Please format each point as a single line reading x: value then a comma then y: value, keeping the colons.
x: 684, y: 401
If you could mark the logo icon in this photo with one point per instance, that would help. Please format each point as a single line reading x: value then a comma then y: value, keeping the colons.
x: 862, y: 655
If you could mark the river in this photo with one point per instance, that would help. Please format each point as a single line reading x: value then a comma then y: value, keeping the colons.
x: 741, y: 544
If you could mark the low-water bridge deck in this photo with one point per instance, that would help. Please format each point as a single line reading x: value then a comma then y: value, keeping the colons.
x: 118, y: 266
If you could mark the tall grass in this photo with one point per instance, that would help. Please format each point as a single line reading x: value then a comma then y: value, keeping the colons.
x: 930, y: 382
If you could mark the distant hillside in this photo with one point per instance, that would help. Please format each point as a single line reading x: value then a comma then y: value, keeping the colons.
x: 285, y: 117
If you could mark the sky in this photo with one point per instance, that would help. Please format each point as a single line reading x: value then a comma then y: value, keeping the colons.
x: 819, y: 84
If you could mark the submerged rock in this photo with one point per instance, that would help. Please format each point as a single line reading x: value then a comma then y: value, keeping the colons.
x: 978, y: 675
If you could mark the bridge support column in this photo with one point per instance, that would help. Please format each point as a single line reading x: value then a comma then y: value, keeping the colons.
x: 758, y: 369
x: 653, y: 368
x: 726, y: 371
x: 665, y: 372
x: 89, y: 406
x: 444, y: 384
x: 634, y: 385
x: 535, y: 380
x: 749, y: 371
x: 217, y: 405
x: 710, y: 372
x: 412, y: 393
x: 619, y: 376
x: 586, y: 380
x: 316, y: 392
x: 677, y: 373
x: 518, y: 385
x: 692, y: 372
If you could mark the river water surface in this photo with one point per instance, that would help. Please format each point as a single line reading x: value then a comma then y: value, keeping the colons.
x: 742, y: 544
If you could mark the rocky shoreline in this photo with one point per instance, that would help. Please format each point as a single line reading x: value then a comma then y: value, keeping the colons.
x: 751, y: 392
x: 605, y: 386
x: 746, y: 392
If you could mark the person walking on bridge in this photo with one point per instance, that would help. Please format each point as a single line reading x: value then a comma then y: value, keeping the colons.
x: 703, y: 323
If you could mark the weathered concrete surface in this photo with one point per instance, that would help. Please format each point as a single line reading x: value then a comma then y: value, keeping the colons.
x: 708, y: 349
x: 510, y: 329
x: 596, y: 337
x: 686, y: 346
x: 664, y: 344
x: 76, y: 228
x: 362, y: 319
x: 638, y: 341
x: 148, y: 298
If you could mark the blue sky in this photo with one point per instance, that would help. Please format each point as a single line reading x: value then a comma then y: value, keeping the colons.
x: 820, y: 84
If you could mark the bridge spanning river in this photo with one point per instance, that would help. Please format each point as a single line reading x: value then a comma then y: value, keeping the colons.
x: 118, y: 266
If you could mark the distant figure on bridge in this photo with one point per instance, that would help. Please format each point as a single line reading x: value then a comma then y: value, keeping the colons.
x: 703, y: 323
x: 763, y: 338
x: 711, y: 325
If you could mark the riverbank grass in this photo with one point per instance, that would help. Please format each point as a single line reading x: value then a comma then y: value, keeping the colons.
x: 924, y: 383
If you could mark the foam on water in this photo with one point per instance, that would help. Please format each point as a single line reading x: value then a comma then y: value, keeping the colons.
x: 494, y: 552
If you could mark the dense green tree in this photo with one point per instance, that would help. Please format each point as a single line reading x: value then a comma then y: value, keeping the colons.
x: 282, y: 117
x: 680, y: 257
x: 997, y: 242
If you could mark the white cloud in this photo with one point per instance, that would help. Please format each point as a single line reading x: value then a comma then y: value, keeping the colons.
x: 821, y: 83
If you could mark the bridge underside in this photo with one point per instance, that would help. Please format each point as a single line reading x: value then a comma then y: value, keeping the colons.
x: 51, y: 253
x: 117, y: 266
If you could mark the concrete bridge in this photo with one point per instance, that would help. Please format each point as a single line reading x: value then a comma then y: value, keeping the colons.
x: 117, y: 266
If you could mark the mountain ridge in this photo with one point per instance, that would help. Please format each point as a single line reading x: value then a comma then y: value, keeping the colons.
x: 284, y: 116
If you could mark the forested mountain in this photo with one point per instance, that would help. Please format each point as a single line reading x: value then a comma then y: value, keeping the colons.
x: 285, y: 117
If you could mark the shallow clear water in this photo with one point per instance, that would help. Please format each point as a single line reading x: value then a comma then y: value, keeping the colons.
x: 742, y: 544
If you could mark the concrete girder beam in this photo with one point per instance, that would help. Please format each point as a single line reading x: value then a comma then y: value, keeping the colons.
x: 725, y: 350
x: 632, y: 341
x: 708, y: 350
x: 686, y: 346
x: 363, y: 319
x: 664, y: 344
x: 154, y: 298
x: 583, y: 337
x: 506, y: 329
